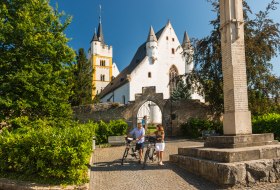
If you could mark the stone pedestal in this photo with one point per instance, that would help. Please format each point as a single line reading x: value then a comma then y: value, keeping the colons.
x: 237, y: 122
x: 240, y: 141
x: 233, y: 160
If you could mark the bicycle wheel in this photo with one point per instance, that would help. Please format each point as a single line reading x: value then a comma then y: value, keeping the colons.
x: 124, y: 155
x: 146, y: 157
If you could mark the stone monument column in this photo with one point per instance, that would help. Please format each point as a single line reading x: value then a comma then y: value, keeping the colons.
x: 237, y: 157
x: 237, y: 117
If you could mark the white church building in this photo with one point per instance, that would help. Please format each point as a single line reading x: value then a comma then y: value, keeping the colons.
x: 157, y: 62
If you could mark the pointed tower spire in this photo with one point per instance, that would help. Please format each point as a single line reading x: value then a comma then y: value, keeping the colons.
x: 94, y: 38
x: 186, y: 41
x: 168, y: 22
x: 99, y: 30
x: 151, y: 37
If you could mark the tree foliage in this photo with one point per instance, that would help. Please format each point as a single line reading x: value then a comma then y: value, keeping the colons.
x: 262, y: 42
x: 182, y: 91
x: 33, y: 63
x: 81, y: 93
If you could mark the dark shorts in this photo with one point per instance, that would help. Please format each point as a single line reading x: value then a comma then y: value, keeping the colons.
x: 139, y: 146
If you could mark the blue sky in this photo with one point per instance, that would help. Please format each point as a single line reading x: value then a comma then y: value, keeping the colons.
x: 126, y: 22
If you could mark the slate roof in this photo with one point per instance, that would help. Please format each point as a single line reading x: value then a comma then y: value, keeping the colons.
x: 186, y: 41
x: 99, y: 36
x: 123, y: 77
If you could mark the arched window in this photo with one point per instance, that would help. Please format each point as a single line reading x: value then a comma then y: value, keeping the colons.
x: 123, y: 99
x: 173, y: 51
x: 102, y: 63
x: 102, y: 77
x: 149, y: 75
x: 173, y: 78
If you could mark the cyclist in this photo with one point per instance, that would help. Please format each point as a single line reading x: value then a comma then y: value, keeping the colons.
x: 139, y: 134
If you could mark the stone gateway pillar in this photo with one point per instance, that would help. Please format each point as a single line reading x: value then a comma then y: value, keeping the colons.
x: 237, y: 117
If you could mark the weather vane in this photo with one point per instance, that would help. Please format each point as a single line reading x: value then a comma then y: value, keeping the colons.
x: 100, y: 13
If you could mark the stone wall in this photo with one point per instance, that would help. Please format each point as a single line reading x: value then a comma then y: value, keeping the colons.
x: 182, y: 110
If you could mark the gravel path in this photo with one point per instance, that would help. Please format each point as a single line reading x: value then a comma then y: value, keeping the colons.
x: 109, y: 174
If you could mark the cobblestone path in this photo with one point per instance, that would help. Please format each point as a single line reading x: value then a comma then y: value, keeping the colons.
x: 109, y: 174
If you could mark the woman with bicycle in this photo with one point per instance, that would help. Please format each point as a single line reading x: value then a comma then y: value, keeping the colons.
x: 160, y: 145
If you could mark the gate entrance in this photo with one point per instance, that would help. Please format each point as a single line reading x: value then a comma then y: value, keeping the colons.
x: 152, y: 111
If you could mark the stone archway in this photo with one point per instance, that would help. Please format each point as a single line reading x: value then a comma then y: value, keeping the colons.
x: 148, y: 95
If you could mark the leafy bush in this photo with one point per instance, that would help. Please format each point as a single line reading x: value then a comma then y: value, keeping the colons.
x: 113, y: 128
x: 118, y: 127
x: 48, y: 152
x: 194, y: 127
x: 52, y: 154
x: 103, y: 131
x: 268, y: 123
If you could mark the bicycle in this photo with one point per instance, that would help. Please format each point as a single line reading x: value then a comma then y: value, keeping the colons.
x: 150, y: 152
x: 130, y: 147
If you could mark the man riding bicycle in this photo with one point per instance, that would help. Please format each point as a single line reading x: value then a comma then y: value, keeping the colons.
x: 139, y: 134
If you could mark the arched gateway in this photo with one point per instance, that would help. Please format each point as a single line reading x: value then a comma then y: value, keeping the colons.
x: 148, y: 103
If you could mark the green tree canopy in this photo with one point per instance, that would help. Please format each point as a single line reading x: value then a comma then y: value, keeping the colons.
x: 81, y: 93
x: 182, y: 91
x: 33, y: 63
x: 262, y: 42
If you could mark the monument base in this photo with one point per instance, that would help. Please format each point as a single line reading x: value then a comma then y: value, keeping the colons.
x: 240, y: 141
x: 233, y: 166
x: 237, y: 123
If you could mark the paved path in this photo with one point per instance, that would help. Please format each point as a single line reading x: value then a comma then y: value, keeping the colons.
x: 109, y: 174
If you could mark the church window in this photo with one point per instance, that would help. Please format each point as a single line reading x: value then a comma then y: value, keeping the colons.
x: 173, y: 79
x: 123, y: 99
x: 102, y: 77
x: 102, y: 62
x: 173, y: 39
x: 166, y: 37
x: 173, y: 51
x: 149, y: 74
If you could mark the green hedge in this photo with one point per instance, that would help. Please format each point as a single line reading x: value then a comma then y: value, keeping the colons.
x: 60, y: 155
x: 194, y: 127
x: 268, y: 123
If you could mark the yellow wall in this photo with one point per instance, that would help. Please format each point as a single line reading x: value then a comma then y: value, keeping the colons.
x: 96, y: 66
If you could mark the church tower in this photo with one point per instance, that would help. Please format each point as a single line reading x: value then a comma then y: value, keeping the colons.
x: 100, y: 56
x: 152, y: 46
x: 188, y: 53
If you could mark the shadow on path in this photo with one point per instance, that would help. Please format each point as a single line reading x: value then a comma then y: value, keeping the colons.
x: 133, y: 165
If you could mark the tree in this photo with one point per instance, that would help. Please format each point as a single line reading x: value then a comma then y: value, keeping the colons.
x: 262, y: 41
x: 34, y: 59
x: 82, y: 80
x: 181, y: 92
